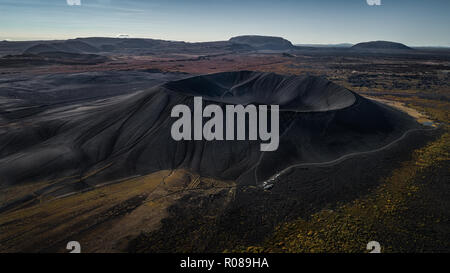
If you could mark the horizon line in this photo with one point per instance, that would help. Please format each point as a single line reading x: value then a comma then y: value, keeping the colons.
x: 208, y: 41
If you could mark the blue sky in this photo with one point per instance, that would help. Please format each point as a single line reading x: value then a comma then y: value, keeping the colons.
x: 413, y: 22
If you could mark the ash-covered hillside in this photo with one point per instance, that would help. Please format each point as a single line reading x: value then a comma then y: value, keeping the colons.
x: 319, y: 121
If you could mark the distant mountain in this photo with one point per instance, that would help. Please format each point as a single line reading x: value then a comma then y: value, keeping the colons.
x: 238, y: 44
x: 70, y: 46
x: 80, y: 46
x: 342, y: 45
x: 138, y: 43
x: 381, y: 45
x: 263, y: 42
x: 39, y: 48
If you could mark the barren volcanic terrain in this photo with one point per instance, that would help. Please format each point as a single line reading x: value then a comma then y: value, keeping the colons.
x: 86, y: 151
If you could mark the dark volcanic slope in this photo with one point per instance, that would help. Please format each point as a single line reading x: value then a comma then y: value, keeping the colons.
x: 319, y: 122
x: 295, y: 93
x: 23, y: 96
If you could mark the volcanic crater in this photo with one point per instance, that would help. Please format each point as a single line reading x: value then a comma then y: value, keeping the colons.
x: 319, y: 122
